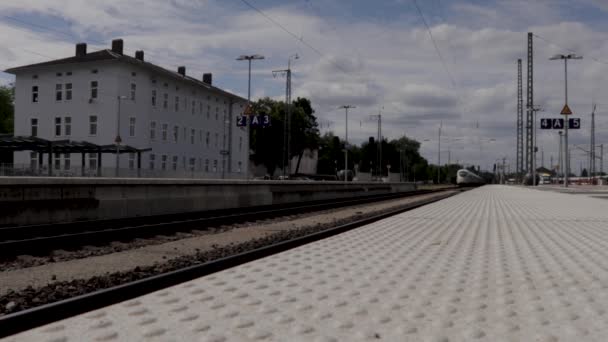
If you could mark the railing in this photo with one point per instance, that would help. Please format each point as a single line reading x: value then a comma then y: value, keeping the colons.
x: 27, y: 170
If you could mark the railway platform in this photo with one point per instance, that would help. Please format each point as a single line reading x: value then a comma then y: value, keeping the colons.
x: 498, y: 263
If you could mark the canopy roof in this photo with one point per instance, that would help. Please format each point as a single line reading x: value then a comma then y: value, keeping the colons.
x: 28, y: 143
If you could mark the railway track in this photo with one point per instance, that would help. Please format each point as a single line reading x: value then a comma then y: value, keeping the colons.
x: 41, y: 239
x: 48, y: 313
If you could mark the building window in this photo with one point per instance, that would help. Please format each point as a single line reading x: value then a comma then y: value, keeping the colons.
x: 34, y: 125
x: 223, y: 165
x: 192, y: 135
x: 215, y: 165
x: 131, y: 160
x: 163, y: 162
x: 67, y: 121
x: 58, y: 92
x: 165, y: 126
x: 165, y: 100
x: 208, y: 111
x: 217, y: 113
x: 93, y: 161
x: 240, y: 144
x: 94, y: 71
x: 193, y: 106
x: 57, y: 127
x: 152, y: 160
x: 224, y: 141
x: 57, y: 161
x: 177, y: 103
x: 200, y: 107
x: 68, y: 91
x: 185, y: 135
x: 207, y: 138
x: 175, y: 133
x: 154, y: 98
x: 34, y: 93
x: 206, y: 165
x: 192, y: 163
x: 66, y: 161
x: 94, y: 86
x: 93, y: 125
x: 131, y: 126
x: 152, y: 130
x: 217, y: 137
x: 133, y: 89
x: 239, y: 168
x: 174, y: 164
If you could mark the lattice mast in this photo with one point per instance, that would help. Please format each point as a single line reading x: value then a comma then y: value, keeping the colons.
x: 520, y: 123
x: 530, y: 108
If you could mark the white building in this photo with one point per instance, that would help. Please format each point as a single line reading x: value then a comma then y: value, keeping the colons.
x: 188, y: 124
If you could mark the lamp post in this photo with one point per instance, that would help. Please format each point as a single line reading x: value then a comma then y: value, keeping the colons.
x: 346, y: 108
x: 560, y: 159
x: 248, y: 58
x: 567, y: 159
x: 118, y: 140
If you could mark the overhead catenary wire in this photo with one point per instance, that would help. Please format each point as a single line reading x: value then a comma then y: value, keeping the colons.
x: 597, y: 60
x: 293, y: 35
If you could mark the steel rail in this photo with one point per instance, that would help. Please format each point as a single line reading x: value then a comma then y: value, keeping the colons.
x: 52, y: 312
x: 42, y: 239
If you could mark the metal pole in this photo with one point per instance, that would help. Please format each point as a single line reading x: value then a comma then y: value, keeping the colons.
x: 346, y: 145
x: 118, y: 138
x: 560, y: 157
x: 248, y: 123
x: 439, y: 155
x: 567, y: 153
x: 534, y: 147
x: 602, y: 159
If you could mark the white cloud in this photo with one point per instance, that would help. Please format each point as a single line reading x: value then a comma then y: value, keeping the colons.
x: 391, y: 65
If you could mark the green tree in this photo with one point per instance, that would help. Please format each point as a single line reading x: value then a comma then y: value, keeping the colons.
x: 267, y: 143
x: 7, y: 109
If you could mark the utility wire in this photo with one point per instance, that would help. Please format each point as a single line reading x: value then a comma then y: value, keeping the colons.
x: 296, y: 37
x: 567, y: 49
x: 428, y: 28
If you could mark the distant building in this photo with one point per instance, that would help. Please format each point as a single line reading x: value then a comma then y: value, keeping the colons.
x: 188, y: 123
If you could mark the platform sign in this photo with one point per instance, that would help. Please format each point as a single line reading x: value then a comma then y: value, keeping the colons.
x: 557, y: 123
x: 255, y: 121
x: 241, y: 121
x: 553, y: 123
x: 260, y: 121
x: 574, y: 123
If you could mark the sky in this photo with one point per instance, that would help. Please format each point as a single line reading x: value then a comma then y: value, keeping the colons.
x: 448, y: 63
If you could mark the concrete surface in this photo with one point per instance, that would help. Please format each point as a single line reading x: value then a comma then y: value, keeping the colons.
x: 36, y: 200
x: 497, y: 263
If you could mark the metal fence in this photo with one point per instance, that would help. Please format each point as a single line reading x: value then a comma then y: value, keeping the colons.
x: 27, y: 170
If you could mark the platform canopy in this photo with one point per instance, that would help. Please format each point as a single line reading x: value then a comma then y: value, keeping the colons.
x: 26, y: 143
x: 10, y: 143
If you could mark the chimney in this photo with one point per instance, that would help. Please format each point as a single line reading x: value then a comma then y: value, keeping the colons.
x: 81, y: 49
x: 181, y: 70
x: 208, y: 78
x: 117, y: 45
x: 139, y: 54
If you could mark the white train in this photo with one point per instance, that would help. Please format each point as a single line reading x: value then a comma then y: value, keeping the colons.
x: 465, y: 177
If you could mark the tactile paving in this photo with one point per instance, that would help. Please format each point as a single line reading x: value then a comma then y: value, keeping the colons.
x: 493, y: 264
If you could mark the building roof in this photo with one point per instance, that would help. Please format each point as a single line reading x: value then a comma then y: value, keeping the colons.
x: 109, y: 55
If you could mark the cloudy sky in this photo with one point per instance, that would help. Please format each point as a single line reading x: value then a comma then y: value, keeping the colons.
x: 375, y: 55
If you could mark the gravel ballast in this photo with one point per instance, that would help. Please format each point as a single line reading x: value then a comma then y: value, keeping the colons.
x: 30, y: 287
